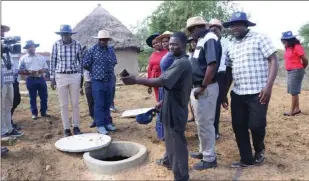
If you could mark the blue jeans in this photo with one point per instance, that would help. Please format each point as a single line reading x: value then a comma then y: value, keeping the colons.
x: 34, y: 86
x: 102, y: 95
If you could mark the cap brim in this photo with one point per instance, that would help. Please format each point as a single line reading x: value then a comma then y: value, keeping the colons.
x: 96, y: 37
x: 164, y: 36
x: 5, y: 28
x: 229, y: 23
x: 287, y: 38
x: 198, y: 24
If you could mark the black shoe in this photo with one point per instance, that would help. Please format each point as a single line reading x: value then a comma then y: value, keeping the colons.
x: 16, y: 133
x: 240, y: 165
x: 46, y: 115
x: 17, y: 127
x: 4, y: 151
x: 76, y: 131
x: 259, y: 158
x: 67, y: 132
x: 217, y: 136
x: 163, y: 163
x: 34, y: 117
x: 92, y: 125
x: 196, y: 155
x: 205, y: 165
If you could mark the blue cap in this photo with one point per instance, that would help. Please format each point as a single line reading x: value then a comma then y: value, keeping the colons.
x: 146, y: 118
x: 238, y: 17
x: 287, y: 35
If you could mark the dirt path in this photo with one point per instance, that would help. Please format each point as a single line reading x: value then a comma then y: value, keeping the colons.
x: 34, y: 157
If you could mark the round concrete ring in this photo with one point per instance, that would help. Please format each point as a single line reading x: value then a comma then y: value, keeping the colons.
x: 111, y: 167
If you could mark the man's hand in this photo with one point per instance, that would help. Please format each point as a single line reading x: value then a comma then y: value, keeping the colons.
x: 129, y: 80
x: 81, y: 91
x: 159, y: 105
x: 265, y: 95
x: 53, y: 84
x: 198, y: 92
x: 225, y: 103
x: 149, y: 90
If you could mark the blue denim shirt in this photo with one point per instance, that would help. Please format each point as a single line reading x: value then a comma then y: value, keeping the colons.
x: 100, y: 62
x: 166, y: 61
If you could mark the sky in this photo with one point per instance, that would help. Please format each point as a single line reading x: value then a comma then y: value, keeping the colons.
x: 38, y: 20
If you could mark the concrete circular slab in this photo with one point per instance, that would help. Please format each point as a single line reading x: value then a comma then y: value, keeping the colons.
x: 83, y: 142
x: 135, y: 154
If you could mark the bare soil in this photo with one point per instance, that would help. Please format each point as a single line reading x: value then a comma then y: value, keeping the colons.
x: 34, y: 157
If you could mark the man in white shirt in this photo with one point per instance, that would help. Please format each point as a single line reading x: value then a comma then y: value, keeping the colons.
x: 34, y: 66
x: 216, y: 27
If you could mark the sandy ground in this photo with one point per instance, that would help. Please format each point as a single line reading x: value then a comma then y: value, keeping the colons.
x: 34, y: 157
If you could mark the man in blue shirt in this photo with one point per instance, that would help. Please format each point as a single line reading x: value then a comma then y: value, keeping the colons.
x: 100, y: 61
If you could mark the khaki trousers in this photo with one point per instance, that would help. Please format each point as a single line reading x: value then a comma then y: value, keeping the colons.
x: 7, y: 97
x: 68, y: 87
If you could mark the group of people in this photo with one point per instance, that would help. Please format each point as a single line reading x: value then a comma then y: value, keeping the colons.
x: 200, y: 78
x: 70, y: 67
x: 204, y: 78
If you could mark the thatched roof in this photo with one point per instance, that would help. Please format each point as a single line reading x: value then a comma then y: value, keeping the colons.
x: 100, y: 19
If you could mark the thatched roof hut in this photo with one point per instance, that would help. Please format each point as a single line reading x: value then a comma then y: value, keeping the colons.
x: 126, y: 45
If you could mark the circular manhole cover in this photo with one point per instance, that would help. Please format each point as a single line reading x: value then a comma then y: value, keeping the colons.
x: 83, y: 143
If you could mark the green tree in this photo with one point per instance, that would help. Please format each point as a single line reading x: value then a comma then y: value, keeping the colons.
x: 304, y: 33
x: 173, y: 15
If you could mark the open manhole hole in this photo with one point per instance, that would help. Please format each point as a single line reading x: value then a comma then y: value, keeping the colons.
x: 117, y: 156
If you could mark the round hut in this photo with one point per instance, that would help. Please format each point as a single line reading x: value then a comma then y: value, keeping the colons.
x: 126, y: 45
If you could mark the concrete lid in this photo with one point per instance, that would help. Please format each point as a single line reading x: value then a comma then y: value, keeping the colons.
x: 134, y: 112
x: 83, y: 143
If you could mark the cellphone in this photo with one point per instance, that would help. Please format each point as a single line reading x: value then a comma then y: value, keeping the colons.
x: 124, y: 73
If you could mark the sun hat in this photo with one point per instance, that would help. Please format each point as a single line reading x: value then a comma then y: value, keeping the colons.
x: 30, y: 43
x: 103, y: 34
x: 65, y: 29
x: 215, y: 22
x: 166, y: 34
x: 150, y: 38
x: 238, y: 16
x: 195, y: 21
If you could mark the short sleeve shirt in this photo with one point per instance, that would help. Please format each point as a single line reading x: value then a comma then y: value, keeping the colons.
x: 248, y: 60
x: 292, y: 57
x: 177, y: 83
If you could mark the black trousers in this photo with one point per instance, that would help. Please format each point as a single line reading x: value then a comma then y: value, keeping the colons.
x: 221, y: 82
x: 248, y: 113
x: 90, y: 101
x: 16, y: 100
x: 177, y: 153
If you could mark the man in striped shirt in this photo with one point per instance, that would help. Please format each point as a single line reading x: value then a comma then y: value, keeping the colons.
x: 7, y: 91
x: 65, y: 71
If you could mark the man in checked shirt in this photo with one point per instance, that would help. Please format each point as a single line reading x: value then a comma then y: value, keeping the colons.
x: 252, y: 64
x: 65, y: 71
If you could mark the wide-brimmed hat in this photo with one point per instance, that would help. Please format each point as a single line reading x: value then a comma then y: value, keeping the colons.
x: 166, y: 34
x: 287, y: 35
x: 195, y: 21
x: 30, y: 43
x: 238, y: 17
x: 103, y: 34
x: 150, y: 38
x: 65, y: 29
x: 5, y: 28
x: 215, y: 22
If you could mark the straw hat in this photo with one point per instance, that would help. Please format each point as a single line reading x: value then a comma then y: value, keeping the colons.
x: 166, y: 34
x: 5, y: 28
x: 195, y: 21
x: 103, y: 34
x: 215, y: 22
